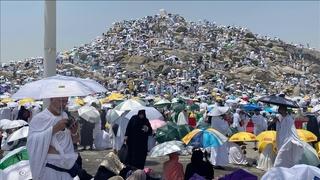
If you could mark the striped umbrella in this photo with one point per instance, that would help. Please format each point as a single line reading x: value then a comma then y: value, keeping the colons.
x: 15, y: 165
x: 204, y: 138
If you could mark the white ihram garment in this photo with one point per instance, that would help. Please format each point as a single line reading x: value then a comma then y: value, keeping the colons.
x: 40, y: 138
x: 219, y: 155
x: 235, y: 154
x: 290, y: 147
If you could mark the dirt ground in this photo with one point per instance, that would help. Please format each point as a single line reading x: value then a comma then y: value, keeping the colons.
x: 92, y: 159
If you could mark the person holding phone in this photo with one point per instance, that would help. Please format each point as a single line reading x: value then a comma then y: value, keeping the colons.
x: 50, y: 143
x: 136, y: 138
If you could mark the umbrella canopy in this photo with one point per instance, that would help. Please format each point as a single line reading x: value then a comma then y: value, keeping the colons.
x: 166, y: 148
x: 6, y: 100
x: 194, y: 107
x: 19, y: 134
x: 129, y: 104
x: 14, y: 124
x: 279, y: 100
x: 242, y: 137
x: 183, y: 130
x: 57, y: 86
x: 306, y: 136
x: 239, y: 174
x: 270, y: 136
x: 316, y: 108
x: 89, y: 114
x: 267, y: 136
x: 299, y: 171
x: 15, y: 165
x: 218, y: 111
x: 25, y: 101
x: 4, y: 122
x: 115, y: 97
x: 157, y: 123
x: 171, y: 131
x: 90, y: 99
x: 151, y: 113
x: 115, y: 114
x: 251, y: 107
x: 91, y: 84
x: 162, y: 103
x: 204, y: 138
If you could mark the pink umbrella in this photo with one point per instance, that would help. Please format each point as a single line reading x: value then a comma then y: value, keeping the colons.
x: 157, y: 123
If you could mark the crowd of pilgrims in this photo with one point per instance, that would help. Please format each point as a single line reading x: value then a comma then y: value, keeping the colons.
x: 137, y: 132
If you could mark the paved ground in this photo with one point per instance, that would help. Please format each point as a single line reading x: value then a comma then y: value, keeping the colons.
x: 92, y: 159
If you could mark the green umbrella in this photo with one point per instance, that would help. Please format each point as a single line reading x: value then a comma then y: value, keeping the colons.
x: 162, y: 103
x: 194, y: 107
x: 167, y: 133
x: 178, y: 107
x: 172, y: 131
x: 183, y: 130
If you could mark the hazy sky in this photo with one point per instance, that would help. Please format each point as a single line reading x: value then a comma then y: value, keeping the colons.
x: 79, y: 22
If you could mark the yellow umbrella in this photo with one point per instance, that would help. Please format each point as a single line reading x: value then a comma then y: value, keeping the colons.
x: 267, y: 136
x: 242, y: 137
x: 6, y: 100
x: 317, y: 147
x: 25, y: 100
x: 306, y: 136
x: 115, y: 97
x: 79, y: 101
x: 187, y: 138
x: 270, y: 136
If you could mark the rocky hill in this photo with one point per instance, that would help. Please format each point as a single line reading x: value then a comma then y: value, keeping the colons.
x: 168, y: 41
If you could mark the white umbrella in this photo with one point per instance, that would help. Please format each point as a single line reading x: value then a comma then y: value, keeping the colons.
x: 90, y: 99
x: 57, y: 86
x: 12, y: 104
x: 4, y: 122
x: 162, y: 102
x: 93, y: 85
x: 89, y: 114
x: 19, y: 134
x: 316, y: 108
x: 115, y: 114
x: 299, y: 171
x: 167, y: 148
x: 129, y: 104
x: 14, y: 124
x: 151, y: 113
x: 15, y: 165
x: 218, y: 111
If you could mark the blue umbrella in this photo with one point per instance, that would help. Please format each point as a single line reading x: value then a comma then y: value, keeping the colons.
x: 251, y: 107
x: 204, y: 138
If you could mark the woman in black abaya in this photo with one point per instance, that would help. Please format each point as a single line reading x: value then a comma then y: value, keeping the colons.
x: 136, y: 138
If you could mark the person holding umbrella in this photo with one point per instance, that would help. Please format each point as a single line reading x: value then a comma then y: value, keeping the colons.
x: 50, y: 143
x: 173, y: 169
x: 289, y: 145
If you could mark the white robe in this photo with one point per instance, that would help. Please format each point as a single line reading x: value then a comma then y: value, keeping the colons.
x: 40, y: 138
x: 289, y: 145
x: 266, y: 158
x: 182, y: 118
x: 219, y: 155
x: 236, y: 155
x: 260, y: 124
x: 119, y: 137
x: 102, y: 140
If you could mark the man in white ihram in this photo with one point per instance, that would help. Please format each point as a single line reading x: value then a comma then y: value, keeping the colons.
x: 50, y: 143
